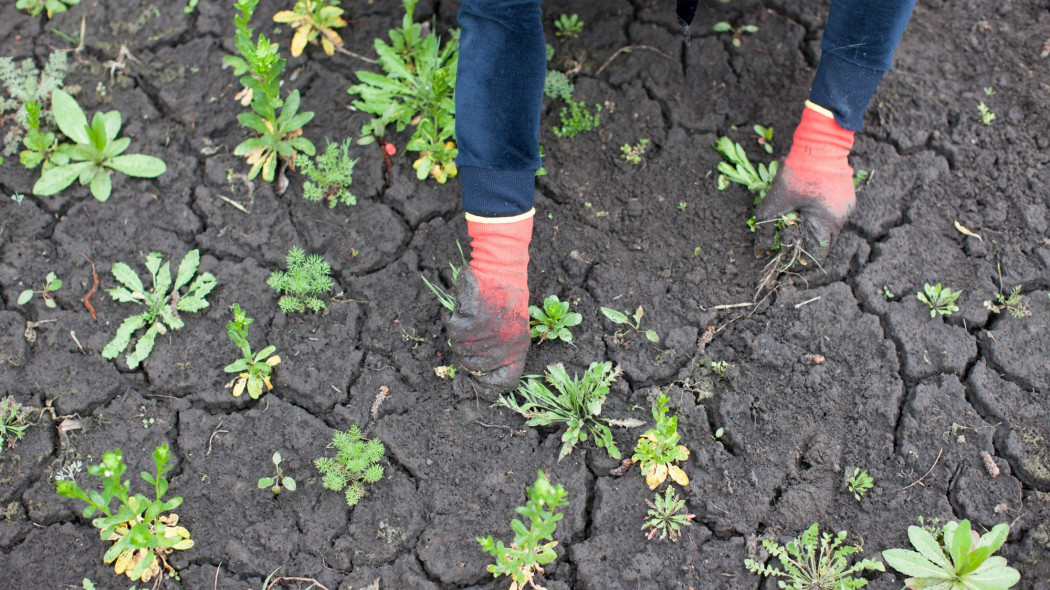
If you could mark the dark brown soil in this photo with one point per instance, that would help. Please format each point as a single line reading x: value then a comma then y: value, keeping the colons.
x: 913, y: 400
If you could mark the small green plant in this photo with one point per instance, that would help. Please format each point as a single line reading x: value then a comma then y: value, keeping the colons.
x: 666, y: 516
x: 568, y: 25
x: 737, y: 32
x: 557, y: 85
x: 26, y: 84
x: 94, y: 152
x: 306, y: 277
x: 860, y: 483
x: 987, y: 116
x: 356, y: 463
x: 940, y: 300
x: 191, y: 5
x: 576, y: 118
x: 143, y: 536
x: 254, y: 370
x: 576, y: 402
x: 279, y: 479
x: 815, y: 561
x: 861, y: 177
x: 329, y: 176
x: 887, y: 293
x: 553, y: 320
x: 719, y: 368
x: 51, y: 284
x: 988, y: 91
x: 447, y: 300
x: 633, y: 153
x: 956, y: 559
x: 737, y: 168
x: 682, y: 205
x: 53, y: 7
x: 623, y: 319
x: 13, y: 422
x: 259, y: 68
x: 533, y: 547
x: 658, y: 452
x: 163, y: 302
x: 1015, y: 303
x: 39, y: 145
x: 765, y: 137
x: 312, y: 19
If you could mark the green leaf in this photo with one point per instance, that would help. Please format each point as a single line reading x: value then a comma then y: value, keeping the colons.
x: 615, y: 316
x: 190, y: 262
x: 143, y: 347
x: 69, y: 117
x: 652, y: 336
x: 25, y: 296
x: 138, y: 165
x: 101, y: 186
x: 913, y: 564
x: 265, y: 482
x: 128, y: 277
x: 123, y: 336
x: 288, y: 483
x: 928, y: 546
x: 55, y: 179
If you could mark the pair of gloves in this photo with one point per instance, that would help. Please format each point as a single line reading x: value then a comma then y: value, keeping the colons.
x: 489, y: 330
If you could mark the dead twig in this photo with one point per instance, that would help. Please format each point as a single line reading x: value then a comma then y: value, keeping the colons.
x: 346, y: 51
x: 235, y: 204
x: 628, y: 49
x: 218, y: 429
x: 319, y: 585
x: 91, y: 291
x: 927, y: 473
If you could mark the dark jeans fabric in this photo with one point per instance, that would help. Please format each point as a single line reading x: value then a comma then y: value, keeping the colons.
x: 857, y: 49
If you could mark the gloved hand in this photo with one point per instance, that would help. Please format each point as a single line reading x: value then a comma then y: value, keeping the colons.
x: 489, y: 329
x: 816, y: 179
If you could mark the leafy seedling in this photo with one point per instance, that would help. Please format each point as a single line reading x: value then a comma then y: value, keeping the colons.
x: 26, y: 84
x: 765, y: 137
x: 39, y: 145
x: 666, y: 516
x: 163, y: 302
x: 575, y: 402
x: 13, y: 421
x: 553, y: 320
x: 51, y: 284
x: 737, y: 32
x: 533, y: 547
x: 253, y: 369
x: 143, y: 536
x: 987, y: 116
x: 633, y: 322
x: 860, y: 483
x: 447, y: 300
x: 279, y: 479
x: 306, y: 278
x: 815, y: 561
x: 956, y: 559
x: 633, y: 153
x: 861, y: 177
x: 576, y: 118
x: 95, y: 151
x: 940, y: 300
x: 312, y: 19
x: 568, y: 25
x: 658, y: 452
x: 1015, y: 303
x: 557, y: 85
x: 329, y: 176
x: 52, y: 7
x: 737, y: 168
x: 356, y: 463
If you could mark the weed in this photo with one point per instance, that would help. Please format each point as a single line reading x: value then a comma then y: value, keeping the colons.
x: 815, y: 561
x: 12, y: 421
x: 259, y: 68
x: 532, y: 547
x: 51, y: 284
x: 765, y: 137
x: 142, y: 537
x: 737, y: 168
x: 860, y: 483
x: 623, y: 319
x: 163, y: 302
x: 417, y: 89
x: 717, y: 436
x: 887, y: 293
x: 330, y: 175
x: 191, y: 5
x: 987, y: 116
x: 682, y: 205
x: 279, y: 479
x: 553, y: 320
x: 447, y: 300
x: 664, y: 516
x: 26, y: 84
x: 860, y: 177
x: 719, y: 368
x: 737, y: 32
x: 568, y: 25
x: 39, y: 145
x: 306, y: 277
x: 940, y: 301
x: 1015, y: 303
x: 355, y: 464
x: 576, y: 402
x: 576, y: 118
x: 557, y: 85
x: 69, y: 471
x: 633, y: 153
x: 254, y: 369
x: 955, y: 559
x: 53, y: 7
x: 94, y: 152
x: 312, y: 19
x: 658, y: 452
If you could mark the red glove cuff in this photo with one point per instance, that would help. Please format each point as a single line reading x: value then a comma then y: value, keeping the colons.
x: 818, y: 164
x: 500, y: 259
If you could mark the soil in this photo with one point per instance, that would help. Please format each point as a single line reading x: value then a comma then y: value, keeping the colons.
x: 824, y: 375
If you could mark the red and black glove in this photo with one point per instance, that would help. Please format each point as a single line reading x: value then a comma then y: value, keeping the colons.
x: 489, y: 329
x: 816, y: 179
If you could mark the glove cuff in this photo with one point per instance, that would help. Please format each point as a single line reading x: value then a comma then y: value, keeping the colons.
x: 820, y: 146
x: 500, y: 248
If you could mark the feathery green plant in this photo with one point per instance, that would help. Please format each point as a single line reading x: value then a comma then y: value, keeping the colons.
x: 355, y: 464
x: 306, y: 277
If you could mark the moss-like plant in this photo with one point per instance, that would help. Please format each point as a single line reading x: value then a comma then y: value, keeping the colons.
x: 355, y: 464
x: 330, y: 175
x: 306, y: 277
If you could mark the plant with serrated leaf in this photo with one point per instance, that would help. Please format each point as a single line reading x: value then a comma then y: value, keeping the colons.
x: 575, y: 401
x: 553, y: 320
x: 163, y: 302
x: 737, y: 168
x: 666, y: 516
x: 576, y: 118
x: 13, y: 422
x: 329, y: 175
x: 279, y: 479
x: 533, y: 547
x: 939, y: 300
x: 956, y: 559
x: 860, y: 483
x: 356, y: 463
x: 26, y: 84
x: 633, y: 153
x: 1015, y: 303
x: 142, y: 534
x: 53, y: 7
x: 557, y: 85
x: 313, y: 19
x: 259, y: 68
x: 51, y: 284
x: 658, y: 452
x: 254, y: 369
x: 815, y: 561
x: 306, y: 277
x: 634, y: 322
x: 415, y: 88
x: 95, y: 151
x: 39, y: 145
